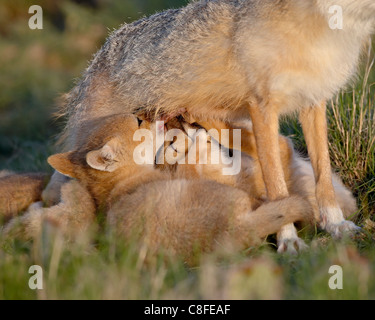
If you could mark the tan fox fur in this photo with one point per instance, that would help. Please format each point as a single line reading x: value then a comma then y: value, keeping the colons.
x: 18, y: 191
x: 186, y: 217
x: 168, y: 199
x: 73, y: 216
x: 215, y: 205
x: 298, y: 172
x: 233, y: 59
x: 177, y: 215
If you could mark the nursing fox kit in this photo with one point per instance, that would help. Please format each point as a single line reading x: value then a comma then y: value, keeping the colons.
x: 185, y: 212
x: 183, y: 209
x: 233, y: 59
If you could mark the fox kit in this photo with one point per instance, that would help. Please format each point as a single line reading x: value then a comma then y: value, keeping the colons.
x: 233, y: 59
x: 298, y: 173
x: 74, y: 216
x: 178, y: 215
x: 18, y: 191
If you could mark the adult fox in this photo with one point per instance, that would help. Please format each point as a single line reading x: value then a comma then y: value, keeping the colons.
x: 232, y: 59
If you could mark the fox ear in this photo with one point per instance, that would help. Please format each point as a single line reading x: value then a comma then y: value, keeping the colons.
x: 61, y: 163
x: 103, y: 159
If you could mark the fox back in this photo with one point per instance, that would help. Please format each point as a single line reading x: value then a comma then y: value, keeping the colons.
x: 219, y: 56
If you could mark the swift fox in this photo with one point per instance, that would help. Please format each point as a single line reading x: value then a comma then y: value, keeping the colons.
x: 298, y: 173
x: 174, y: 213
x: 232, y: 59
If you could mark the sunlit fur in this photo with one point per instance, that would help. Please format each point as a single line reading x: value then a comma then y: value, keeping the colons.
x: 178, y: 210
x: 216, y: 57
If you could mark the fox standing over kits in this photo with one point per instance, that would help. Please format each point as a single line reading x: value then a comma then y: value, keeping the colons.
x: 233, y: 59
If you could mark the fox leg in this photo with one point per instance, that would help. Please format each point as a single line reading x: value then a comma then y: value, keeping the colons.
x: 52, y: 193
x: 314, y: 124
x: 266, y: 131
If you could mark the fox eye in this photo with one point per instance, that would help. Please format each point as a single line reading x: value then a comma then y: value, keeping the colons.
x: 139, y: 122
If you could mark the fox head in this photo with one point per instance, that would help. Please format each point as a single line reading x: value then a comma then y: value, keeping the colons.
x: 107, y: 155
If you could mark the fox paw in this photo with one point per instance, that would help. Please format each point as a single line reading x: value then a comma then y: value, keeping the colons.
x: 291, y: 246
x: 338, y: 230
x: 334, y: 223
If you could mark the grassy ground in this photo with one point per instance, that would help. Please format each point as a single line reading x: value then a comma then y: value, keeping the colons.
x: 109, y: 270
x: 105, y: 269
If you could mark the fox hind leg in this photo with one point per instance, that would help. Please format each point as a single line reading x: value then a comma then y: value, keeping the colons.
x: 314, y: 125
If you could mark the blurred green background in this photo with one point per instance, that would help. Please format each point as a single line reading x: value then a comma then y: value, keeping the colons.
x: 37, y: 66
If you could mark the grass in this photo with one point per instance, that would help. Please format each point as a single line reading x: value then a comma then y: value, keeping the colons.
x: 352, y: 139
x: 106, y: 269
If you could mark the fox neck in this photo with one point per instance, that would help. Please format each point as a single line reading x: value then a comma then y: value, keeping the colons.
x: 126, y: 184
x: 102, y: 185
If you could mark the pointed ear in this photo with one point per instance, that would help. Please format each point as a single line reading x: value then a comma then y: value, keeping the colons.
x: 104, y: 159
x: 61, y: 163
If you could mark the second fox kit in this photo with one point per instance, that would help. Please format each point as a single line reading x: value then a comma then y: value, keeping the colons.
x: 298, y: 173
x: 233, y: 59
x: 179, y: 215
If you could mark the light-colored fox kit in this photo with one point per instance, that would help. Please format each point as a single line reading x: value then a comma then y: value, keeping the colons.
x: 162, y: 211
x: 233, y: 59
